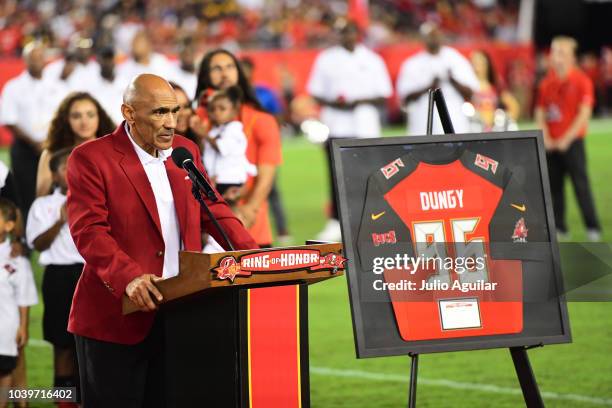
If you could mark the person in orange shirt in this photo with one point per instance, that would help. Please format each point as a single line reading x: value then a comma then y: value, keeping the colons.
x: 220, y: 69
x: 563, y: 109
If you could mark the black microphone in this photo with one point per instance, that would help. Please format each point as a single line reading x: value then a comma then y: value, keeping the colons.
x: 183, y: 159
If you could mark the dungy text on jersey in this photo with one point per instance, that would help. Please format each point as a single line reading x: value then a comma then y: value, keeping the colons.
x: 441, y: 200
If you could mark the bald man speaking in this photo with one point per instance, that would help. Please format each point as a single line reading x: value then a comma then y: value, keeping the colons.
x: 130, y: 211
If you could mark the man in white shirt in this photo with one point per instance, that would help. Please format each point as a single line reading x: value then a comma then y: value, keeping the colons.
x: 437, y: 66
x: 28, y: 105
x: 108, y: 89
x: 142, y: 61
x: 77, y: 70
x: 350, y: 82
x: 183, y: 72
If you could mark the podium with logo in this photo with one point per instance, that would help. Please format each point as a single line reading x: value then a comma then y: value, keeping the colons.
x: 236, y: 325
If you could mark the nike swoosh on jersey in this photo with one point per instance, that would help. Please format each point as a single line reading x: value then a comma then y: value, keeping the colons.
x: 377, y: 216
x: 521, y: 208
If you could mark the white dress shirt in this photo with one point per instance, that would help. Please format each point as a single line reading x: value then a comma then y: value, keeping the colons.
x: 30, y: 104
x: 361, y: 74
x: 155, y: 169
x: 419, y: 71
x: 17, y: 289
x: 44, y: 212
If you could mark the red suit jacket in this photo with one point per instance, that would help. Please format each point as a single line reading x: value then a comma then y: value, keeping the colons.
x: 115, y: 225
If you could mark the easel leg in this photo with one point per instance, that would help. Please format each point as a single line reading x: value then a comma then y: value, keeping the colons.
x: 529, y: 386
x: 414, y: 368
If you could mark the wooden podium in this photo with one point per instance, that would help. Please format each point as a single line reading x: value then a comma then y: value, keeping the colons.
x: 236, y: 326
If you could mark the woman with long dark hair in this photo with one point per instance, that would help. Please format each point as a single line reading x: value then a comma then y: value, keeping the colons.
x: 219, y: 70
x: 491, y: 95
x: 78, y: 119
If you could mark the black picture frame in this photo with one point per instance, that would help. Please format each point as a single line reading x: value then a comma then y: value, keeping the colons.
x: 443, y: 345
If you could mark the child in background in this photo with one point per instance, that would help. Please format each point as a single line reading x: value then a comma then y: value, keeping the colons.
x: 225, y: 145
x: 17, y: 294
x: 47, y: 232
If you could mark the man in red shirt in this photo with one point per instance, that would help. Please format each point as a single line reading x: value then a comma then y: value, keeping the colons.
x: 564, y: 107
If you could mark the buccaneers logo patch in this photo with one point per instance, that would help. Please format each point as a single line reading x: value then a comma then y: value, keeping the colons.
x: 520, y: 231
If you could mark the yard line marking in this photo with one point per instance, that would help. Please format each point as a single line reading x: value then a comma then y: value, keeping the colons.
x: 332, y: 372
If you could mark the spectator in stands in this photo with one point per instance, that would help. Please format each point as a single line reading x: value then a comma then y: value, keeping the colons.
x: 437, y: 66
x: 79, y: 119
x: 271, y: 103
x: 490, y: 95
x: 142, y: 60
x: 183, y: 73
x: 220, y: 69
x: 350, y: 82
x: 563, y: 109
x: 107, y: 87
x: 28, y: 104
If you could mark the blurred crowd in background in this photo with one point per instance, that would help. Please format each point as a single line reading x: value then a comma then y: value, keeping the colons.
x: 286, y: 24
x: 246, y: 23
x: 324, y: 68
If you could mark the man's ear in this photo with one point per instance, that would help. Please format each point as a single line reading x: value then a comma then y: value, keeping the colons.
x: 128, y: 113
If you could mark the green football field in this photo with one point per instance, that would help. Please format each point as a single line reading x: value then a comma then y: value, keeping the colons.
x: 570, y: 375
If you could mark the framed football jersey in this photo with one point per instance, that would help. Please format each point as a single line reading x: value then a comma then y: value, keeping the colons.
x: 450, y: 241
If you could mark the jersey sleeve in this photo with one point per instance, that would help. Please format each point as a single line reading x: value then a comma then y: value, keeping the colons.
x: 26, y: 288
x: 587, y: 96
x: 463, y: 72
x: 517, y: 229
x: 383, y: 81
x: 382, y: 234
x: 316, y: 82
x: 406, y: 82
x: 9, y: 113
x: 40, y: 219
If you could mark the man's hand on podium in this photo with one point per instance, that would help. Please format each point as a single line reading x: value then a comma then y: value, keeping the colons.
x: 140, y: 290
x: 247, y: 214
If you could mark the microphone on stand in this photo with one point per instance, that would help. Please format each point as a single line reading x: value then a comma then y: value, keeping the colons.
x: 184, y: 159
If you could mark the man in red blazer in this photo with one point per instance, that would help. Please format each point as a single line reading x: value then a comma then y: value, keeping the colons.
x: 130, y: 210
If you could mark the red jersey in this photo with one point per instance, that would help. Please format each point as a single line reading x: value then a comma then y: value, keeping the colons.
x: 561, y: 99
x: 469, y: 208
